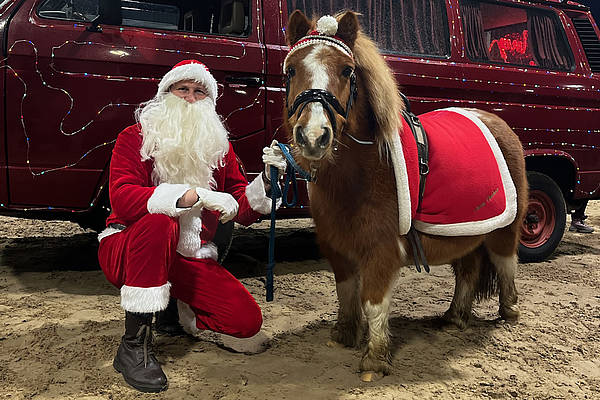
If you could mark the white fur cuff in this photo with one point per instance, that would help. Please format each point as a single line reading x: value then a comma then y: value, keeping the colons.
x: 145, y: 300
x: 257, y: 197
x: 209, y: 250
x: 187, y: 318
x: 107, y: 232
x: 164, y: 199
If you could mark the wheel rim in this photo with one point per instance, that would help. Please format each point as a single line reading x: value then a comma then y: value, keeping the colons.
x: 540, y: 221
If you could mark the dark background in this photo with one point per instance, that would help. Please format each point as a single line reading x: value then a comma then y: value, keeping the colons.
x: 595, y: 6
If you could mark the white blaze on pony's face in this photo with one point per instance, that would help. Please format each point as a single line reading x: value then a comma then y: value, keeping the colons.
x: 313, y: 127
x: 319, y: 70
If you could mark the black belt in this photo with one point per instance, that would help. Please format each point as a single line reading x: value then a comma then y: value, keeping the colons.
x: 119, y: 227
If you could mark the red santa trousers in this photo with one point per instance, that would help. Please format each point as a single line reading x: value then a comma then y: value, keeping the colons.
x: 142, y: 261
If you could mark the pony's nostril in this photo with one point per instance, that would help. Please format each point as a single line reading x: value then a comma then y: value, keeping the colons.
x: 323, y: 140
x: 299, y: 136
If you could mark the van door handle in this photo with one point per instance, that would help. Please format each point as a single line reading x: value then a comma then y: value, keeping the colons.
x: 244, y: 80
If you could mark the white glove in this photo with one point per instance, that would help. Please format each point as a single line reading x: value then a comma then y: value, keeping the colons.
x: 273, y: 156
x: 217, y: 201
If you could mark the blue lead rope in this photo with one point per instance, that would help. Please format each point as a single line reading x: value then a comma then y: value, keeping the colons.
x: 290, y: 172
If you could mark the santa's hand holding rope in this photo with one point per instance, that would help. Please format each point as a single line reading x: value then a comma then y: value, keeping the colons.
x: 173, y: 177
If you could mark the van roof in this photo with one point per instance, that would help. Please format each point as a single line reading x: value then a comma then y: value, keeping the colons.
x: 563, y: 4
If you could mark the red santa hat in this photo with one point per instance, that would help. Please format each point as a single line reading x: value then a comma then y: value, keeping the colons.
x: 190, y: 70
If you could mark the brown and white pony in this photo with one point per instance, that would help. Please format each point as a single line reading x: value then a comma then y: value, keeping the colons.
x: 354, y: 200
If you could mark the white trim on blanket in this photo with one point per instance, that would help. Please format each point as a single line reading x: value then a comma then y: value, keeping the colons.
x: 490, y: 224
x: 145, y: 300
x: 402, y: 188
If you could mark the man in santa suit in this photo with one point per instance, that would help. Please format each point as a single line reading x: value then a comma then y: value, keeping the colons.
x: 173, y: 177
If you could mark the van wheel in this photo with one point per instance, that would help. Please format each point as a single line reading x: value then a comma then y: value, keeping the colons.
x: 544, y: 224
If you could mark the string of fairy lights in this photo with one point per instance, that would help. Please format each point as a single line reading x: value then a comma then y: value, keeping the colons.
x: 241, y: 47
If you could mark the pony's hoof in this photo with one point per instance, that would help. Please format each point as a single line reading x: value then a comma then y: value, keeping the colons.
x: 371, y: 376
x: 335, y: 345
x: 510, y: 313
x: 344, y: 336
x: 375, y: 365
x: 450, y: 318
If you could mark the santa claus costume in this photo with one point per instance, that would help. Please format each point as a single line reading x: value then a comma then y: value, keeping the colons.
x: 151, y: 249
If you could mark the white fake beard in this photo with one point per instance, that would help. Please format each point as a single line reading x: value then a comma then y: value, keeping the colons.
x: 186, y: 141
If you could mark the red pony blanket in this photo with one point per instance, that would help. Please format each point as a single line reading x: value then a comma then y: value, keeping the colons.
x: 468, y: 190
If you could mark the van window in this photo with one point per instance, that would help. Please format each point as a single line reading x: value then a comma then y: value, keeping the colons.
x: 413, y: 27
x: 222, y: 17
x: 523, y: 36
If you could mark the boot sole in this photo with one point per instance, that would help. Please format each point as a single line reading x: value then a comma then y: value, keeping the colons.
x: 145, y: 389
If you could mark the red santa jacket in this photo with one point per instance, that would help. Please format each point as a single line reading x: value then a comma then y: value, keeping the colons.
x: 133, y: 195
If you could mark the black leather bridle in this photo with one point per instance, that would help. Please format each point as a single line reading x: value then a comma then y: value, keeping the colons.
x: 327, y: 99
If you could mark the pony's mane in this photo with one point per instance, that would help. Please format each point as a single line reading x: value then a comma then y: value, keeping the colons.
x: 381, y: 87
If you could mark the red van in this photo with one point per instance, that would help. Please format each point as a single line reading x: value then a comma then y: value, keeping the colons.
x: 74, y: 71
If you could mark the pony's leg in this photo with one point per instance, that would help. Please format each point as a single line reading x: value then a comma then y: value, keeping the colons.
x: 378, y: 277
x: 347, y: 328
x: 466, y: 274
x: 502, y: 250
x: 506, y: 267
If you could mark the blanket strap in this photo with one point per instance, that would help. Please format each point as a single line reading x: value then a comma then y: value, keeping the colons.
x: 423, y: 153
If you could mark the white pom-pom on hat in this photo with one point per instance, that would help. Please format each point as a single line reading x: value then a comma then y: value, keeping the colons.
x: 327, y: 25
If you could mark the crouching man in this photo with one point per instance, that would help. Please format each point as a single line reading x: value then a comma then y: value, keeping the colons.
x: 173, y: 177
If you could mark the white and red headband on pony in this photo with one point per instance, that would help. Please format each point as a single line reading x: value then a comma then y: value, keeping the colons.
x: 327, y: 27
x: 190, y: 70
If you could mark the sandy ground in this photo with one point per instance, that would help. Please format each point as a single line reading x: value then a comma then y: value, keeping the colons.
x: 61, y: 323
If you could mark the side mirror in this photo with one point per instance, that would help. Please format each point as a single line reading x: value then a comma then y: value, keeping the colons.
x: 109, y: 12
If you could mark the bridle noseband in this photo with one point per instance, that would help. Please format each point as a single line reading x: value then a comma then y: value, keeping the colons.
x: 327, y: 99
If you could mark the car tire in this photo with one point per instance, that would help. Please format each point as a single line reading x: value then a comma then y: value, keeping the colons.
x: 544, y: 224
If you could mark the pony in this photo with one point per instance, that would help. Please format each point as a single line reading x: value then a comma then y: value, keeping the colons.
x: 354, y: 193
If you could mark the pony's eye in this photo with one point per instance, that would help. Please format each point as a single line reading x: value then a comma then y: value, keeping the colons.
x: 291, y: 71
x: 347, y: 71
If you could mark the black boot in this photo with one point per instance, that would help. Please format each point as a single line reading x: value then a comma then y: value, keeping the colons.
x: 167, y: 321
x: 135, y: 358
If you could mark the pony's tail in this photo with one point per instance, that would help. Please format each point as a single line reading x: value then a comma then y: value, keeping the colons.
x: 487, y: 286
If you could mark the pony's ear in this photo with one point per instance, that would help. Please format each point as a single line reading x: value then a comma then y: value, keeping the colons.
x: 348, y: 28
x: 298, y: 26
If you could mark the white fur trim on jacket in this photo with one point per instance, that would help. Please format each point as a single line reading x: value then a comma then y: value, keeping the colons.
x: 164, y: 199
x: 145, y: 300
x: 189, y: 243
x: 107, y: 232
x: 196, y: 72
x: 187, y: 318
x: 190, y: 226
x: 257, y: 197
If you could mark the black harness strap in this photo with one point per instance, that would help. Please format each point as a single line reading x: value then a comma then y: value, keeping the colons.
x: 327, y: 99
x: 423, y: 153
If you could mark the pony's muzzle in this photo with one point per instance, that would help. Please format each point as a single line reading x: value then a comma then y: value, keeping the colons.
x: 313, y: 142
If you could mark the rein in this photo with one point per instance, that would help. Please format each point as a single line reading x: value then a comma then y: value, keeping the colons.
x: 276, y: 193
